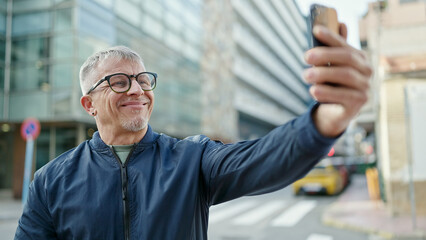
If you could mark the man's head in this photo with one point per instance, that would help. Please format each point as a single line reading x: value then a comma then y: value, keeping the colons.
x: 118, y: 106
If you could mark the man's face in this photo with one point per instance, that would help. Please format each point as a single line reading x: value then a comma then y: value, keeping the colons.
x: 115, y: 112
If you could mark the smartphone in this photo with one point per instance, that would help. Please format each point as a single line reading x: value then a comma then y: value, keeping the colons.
x: 325, y: 16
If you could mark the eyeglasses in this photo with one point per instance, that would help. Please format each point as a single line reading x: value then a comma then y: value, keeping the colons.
x: 121, y: 82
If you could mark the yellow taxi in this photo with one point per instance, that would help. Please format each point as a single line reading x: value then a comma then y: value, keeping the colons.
x: 325, y: 177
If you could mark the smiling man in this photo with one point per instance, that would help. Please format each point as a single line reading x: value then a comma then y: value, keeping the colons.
x: 129, y: 182
x: 121, y: 109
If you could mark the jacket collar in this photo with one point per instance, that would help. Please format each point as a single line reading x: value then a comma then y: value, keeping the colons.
x: 150, y: 137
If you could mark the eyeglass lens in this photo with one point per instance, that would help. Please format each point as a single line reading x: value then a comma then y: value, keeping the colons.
x: 121, y: 83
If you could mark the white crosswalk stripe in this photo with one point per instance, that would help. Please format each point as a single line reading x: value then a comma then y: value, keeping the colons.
x: 256, y: 215
x: 251, y: 212
x: 316, y: 236
x: 218, y: 213
x: 294, y: 214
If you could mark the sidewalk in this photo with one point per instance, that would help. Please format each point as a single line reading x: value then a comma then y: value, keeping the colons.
x: 10, y: 211
x: 355, y: 211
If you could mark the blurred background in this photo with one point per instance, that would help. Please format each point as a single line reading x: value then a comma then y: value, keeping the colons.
x: 231, y: 70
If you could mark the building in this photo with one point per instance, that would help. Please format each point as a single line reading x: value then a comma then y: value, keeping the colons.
x: 393, y: 32
x: 252, y: 66
x: 46, y: 43
x: 226, y: 76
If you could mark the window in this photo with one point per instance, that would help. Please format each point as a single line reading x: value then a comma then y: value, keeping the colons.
x: 63, y: 47
x: 61, y: 103
x: 61, y: 139
x: 22, y: 5
x: 99, y: 26
x: 65, y: 140
x: 2, y: 50
x: 24, y: 24
x: 2, y: 22
x: 63, y: 20
x: 153, y: 7
x: 62, y: 75
x: 1, y: 79
x: 34, y: 103
x: 29, y: 77
x: 173, y: 22
x: 153, y: 27
x: 88, y: 45
x: 105, y: 3
x: 29, y: 50
x: 128, y: 11
x: 42, y: 153
x: 172, y: 40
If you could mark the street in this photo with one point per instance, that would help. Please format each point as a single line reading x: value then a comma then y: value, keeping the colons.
x: 278, y: 215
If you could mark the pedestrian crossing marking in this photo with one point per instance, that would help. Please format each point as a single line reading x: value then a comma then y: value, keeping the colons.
x: 257, y: 214
x: 251, y: 212
x: 316, y: 236
x: 218, y: 214
x: 294, y: 214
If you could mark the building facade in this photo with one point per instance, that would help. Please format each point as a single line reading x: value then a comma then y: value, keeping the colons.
x: 252, y: 66
x: 393, y: 32
x: 48, y: 40
x: 234, y: 89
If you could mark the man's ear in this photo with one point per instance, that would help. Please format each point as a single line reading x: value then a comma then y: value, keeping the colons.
x: 86, y: 102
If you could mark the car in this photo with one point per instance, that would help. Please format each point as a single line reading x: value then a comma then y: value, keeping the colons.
x: 329, y: 176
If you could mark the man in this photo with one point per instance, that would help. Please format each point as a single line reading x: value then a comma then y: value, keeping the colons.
x: 129, y: 182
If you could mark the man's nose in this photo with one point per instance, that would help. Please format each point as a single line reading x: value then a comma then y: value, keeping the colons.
x: 135, y: 88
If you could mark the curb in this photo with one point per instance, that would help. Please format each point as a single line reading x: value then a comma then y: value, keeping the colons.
x: 329, y: 221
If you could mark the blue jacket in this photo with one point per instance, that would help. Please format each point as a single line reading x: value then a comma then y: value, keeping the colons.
x: 165, y: 188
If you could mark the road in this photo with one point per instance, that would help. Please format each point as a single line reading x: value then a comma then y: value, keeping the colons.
x: 276, y: 216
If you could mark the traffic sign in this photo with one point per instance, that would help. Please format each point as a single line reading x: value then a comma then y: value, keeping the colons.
x: 30, y: 128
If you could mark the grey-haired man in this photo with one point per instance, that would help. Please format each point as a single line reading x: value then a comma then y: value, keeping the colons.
x: 128, y: 182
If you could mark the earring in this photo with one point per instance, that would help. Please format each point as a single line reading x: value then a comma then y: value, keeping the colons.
x: 93, y: 113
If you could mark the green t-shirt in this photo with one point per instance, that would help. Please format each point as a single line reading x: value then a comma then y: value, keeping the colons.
x: 122, y: 151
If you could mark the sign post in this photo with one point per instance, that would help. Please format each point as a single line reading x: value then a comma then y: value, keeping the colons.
x: 30, y: 130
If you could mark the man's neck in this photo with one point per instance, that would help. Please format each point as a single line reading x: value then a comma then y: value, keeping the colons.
x: 123, y: 137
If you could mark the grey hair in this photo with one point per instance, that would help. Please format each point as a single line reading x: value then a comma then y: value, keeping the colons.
x: 89, y: 66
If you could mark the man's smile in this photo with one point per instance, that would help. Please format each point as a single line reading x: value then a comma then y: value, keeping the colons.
x: 135, y: 103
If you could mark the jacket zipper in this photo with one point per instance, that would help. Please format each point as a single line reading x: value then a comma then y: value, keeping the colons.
x: 123, y: 172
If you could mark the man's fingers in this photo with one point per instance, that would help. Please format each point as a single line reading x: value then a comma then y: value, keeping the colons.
x: 321, y: 56
x: 350, y: 99
x: 343, y: 30
x: 349, y: 56
x: 343, y: 76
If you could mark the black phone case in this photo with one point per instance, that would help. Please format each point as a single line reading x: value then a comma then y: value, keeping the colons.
x: 315, y: 10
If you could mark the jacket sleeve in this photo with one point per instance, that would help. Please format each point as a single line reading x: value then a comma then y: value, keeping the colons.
x: 264, y: 165
x: 36, y: 221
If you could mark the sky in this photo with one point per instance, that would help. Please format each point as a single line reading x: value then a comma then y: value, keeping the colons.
x: 348, y: 11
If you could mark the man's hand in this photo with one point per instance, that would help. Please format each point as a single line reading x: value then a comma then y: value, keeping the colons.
x: 339, y: 78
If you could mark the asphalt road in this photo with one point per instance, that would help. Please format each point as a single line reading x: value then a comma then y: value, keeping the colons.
x: 276, y: 216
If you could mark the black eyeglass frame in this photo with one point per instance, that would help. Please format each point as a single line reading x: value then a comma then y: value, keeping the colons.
x: 107, y: 78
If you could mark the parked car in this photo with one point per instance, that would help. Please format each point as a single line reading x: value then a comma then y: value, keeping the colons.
x: 328, y: 176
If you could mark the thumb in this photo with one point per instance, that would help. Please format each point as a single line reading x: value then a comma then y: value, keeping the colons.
x: 343, y: 30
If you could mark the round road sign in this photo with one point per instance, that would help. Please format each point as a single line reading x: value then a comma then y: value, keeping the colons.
x: 30, y: 128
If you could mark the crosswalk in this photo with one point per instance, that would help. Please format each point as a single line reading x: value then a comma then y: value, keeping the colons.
x: 257, y: 218
x: 278, y: 212
x: 273, y: 213
x: 257, y: 214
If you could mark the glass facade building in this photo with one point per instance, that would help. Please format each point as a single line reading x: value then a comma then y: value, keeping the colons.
x: 43, y: 44
x: 48, y: 41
